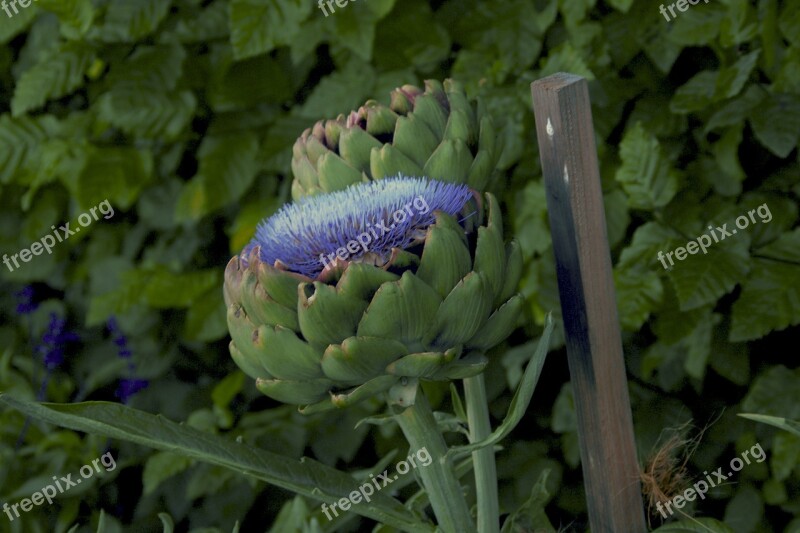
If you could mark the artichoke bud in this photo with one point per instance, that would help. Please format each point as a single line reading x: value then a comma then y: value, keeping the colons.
x: 437, y: 132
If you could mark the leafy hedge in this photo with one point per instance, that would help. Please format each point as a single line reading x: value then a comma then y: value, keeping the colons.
x: 182, y: 113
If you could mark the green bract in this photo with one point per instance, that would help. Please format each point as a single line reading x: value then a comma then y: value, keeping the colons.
x: 430, y: 314
x: 437, y: 133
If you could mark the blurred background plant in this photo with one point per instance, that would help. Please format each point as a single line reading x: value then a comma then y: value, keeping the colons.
x: 183, y: 114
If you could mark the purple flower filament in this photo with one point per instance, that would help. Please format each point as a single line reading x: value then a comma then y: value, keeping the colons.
x: 300, y: 232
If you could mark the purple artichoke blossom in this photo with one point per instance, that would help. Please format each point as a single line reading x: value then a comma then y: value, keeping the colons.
x: 422, y: 297
x: 363, y: 222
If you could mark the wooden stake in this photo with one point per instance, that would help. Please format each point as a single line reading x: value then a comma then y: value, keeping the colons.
x: 583, y: 261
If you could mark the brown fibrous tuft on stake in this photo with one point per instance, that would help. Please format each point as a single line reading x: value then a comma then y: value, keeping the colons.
x: 665, y: 475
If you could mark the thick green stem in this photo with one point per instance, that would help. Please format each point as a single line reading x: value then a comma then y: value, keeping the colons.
x: 438, y: 477
x: 483, y: 459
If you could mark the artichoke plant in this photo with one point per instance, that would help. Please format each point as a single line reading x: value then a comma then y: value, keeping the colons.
x: 389, y: 268
x: 437, y: 133
x: 423, y: 300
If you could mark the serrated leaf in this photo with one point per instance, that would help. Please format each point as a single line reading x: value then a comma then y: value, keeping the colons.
x: 12, y: 27
x: 639, y: 293
x: 209, y: 24
x: 76, y: 15
x: 227, y: 167
x: 307, y: 477
x: 116, y: 174
x: 259, y: 26
x: 775, y: 392
x: 148, y: 115
x: 645, y: 175
x: 696, y: 94
x: 55, y: 75
x: 130, y: 20
x: 341, y: 92
x: 731, y: 79
x: 770, y: 300
x: 700, y: 279
x: 699, y: 27
x: 19, y: 140
x: 776, y: 123
x: 785, y: 248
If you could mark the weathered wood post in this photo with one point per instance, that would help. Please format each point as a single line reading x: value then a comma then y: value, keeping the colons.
x: 583, y: 261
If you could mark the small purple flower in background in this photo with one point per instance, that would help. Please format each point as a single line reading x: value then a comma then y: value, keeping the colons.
x: 25, y: 303
x: 51, y: 348
x: 130, y: 385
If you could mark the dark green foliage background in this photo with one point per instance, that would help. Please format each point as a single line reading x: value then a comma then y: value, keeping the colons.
x: 182, y: 113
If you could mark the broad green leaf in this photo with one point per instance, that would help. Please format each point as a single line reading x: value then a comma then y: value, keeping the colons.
x: 700, y: 278
x: 521, y: 399
x: 696, y: 94
x: 76, y: 16
x: 734, y: 112
x: 699, y: 26
x: 206, y: 320
x: 411, y: 36
x: 307, y: 477
x: 770, y: 300
x: 19, y: 140
x: 776, y: 123
x: 740, y: 25
x: 745, y: 509
x: 621, y: 5
x: 116, y: 174
x: 731, y: 79
x: 776, y: 392
x: 127, y: 21
x: 209, y: 24
x: 639, y: 293
x: 354, y: 28
x: 341, y: 92
x: 54, y: 76
x: 12, y: 27
x: 566, y: 58
x: 645, y: 175
x: 259, y: 26
x: 648, y: 240
x: 227, y: 167
x: 148, y: 115
x: 165, y: 289
x: 789, y: 425
x: 784, y: 248
x: 789, y: 22
x: 531, y: 515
